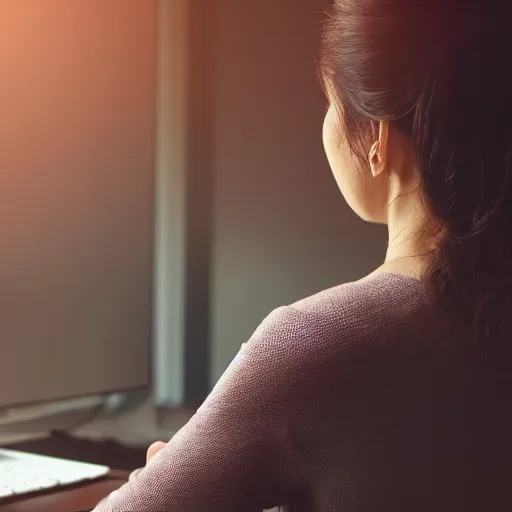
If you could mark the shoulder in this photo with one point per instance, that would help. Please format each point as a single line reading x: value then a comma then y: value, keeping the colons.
x: 353, y: 315
x: 317, y: 333
x: 380, y: 297
x: 361, y: 306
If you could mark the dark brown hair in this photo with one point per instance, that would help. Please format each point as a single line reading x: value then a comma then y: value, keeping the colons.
x: 438, y: 70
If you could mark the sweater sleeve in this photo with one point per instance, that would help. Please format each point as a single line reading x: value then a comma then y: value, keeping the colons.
x: 226, y: 457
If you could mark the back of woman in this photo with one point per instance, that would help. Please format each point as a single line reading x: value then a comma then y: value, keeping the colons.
x: 395, y: 408
x: 393, y: 392
x: 426, y: 85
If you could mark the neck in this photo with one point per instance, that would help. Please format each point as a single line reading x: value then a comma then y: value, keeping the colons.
x: 412, y: 235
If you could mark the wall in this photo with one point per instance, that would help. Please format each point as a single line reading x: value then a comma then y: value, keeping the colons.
x: 281, y: 230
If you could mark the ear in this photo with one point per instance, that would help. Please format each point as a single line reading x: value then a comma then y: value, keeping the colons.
x: 379, y: 151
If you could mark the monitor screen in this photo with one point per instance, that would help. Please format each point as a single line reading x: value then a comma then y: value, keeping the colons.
x: 77, y: 123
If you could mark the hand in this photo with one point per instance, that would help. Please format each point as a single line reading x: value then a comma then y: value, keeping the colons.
x: 154, y: 449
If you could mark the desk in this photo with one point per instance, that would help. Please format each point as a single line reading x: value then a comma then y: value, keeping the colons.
x: 69, y: 499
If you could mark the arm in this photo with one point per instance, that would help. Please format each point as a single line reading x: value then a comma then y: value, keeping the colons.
x: 225, y: 458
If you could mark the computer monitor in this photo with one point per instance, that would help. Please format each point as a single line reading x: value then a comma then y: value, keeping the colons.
x: 77, y: 152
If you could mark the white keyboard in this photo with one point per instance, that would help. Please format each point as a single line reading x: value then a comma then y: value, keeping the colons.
x: 23, y: 473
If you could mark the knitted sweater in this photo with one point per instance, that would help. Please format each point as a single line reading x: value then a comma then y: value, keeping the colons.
x: 364, y: 397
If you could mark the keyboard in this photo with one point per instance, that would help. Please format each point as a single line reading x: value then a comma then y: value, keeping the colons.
x: 23, y: 473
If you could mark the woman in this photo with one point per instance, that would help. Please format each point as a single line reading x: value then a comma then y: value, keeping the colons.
x: 393, y: 392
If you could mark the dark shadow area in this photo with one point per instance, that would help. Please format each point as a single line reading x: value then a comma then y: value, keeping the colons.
x: 106, y: 452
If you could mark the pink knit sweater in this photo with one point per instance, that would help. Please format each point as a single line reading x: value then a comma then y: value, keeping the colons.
x: 361, y: 398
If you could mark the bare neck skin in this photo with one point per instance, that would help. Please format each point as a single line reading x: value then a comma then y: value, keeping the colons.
x: 412, y: 235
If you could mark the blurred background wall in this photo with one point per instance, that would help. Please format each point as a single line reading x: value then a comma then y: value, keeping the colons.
x: 280, y: 228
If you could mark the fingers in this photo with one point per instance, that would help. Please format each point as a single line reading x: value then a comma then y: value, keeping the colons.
x: 154, y: 449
